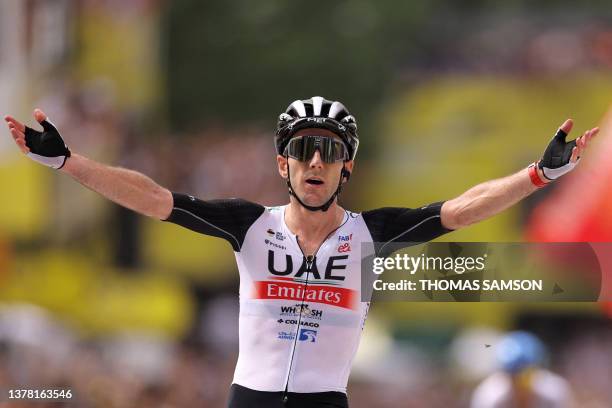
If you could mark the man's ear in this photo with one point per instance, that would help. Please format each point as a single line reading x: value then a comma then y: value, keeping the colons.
x: 348, y: 170
x: 282, y: 166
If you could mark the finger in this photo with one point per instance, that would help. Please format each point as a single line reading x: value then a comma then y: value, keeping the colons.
x: 12, y: 126
x: 23, y: 147
x: 43, y: 119
x: 39, y: 115
x: 579, y: 147
x: 588, y: 137
x: 17, y: 135
x: 567, y: 126
x: 21, y: 143
x: 580, y: 140
x: 12, y: 121
x: 594, y: 132
x: 574, y: 156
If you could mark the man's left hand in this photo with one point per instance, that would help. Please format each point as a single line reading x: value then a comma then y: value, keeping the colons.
x: 560, y: 156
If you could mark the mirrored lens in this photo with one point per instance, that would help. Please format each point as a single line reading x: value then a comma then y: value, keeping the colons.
x: 303, y: 148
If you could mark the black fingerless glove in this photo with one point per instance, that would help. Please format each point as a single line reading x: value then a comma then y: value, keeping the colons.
x: 556, y: 160
x: 47, y: 147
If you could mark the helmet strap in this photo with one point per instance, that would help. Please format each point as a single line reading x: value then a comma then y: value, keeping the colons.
x: 343, y: 173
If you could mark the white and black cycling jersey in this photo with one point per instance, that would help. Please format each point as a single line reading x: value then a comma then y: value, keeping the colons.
x: 301, y: 318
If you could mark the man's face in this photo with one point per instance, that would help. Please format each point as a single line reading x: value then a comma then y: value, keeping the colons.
x: 314, y: 181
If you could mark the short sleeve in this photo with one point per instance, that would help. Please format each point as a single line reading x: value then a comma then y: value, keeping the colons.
x: 229, y: 219
x: 408, y: 225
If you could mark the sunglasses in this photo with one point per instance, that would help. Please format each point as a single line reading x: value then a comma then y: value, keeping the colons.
x: 303, y: 148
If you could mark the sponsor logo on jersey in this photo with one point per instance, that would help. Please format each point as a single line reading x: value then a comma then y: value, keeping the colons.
x: 274, y: 244
x: 279, y: 288
x: 302, y: 323
x: 345, y: 238
x: 333, y: 269
x: 276, y: 234
x: 308, y: 335
x: 346, y: 247
x: 283, y: 335
x: 302, y: 309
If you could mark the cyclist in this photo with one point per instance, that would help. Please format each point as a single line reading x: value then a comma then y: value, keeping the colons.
x: 301, y: 314
x: 521, y: 381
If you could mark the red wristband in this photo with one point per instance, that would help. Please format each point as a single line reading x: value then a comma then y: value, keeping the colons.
x: 534, y: 176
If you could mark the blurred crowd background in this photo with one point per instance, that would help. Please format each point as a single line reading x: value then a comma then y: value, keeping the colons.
x: 132, y: 312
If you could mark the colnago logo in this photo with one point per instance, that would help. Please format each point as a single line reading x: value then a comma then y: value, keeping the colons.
x: 302, y: 323
x: 279, y: 288
x: 302, y: 309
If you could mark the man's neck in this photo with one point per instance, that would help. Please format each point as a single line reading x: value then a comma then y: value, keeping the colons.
x: 312, y: 224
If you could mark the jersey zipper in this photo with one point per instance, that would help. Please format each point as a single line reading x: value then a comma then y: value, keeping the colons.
x: 310, y: 260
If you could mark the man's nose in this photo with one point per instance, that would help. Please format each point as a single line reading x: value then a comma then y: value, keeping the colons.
x: 316, y: 160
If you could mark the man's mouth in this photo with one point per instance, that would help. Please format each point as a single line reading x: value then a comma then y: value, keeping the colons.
x: 314, y: 181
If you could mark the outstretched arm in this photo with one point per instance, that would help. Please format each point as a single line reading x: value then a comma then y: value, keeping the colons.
x: 492, y: 197
x: 125, y: 187
x: 122, y: 186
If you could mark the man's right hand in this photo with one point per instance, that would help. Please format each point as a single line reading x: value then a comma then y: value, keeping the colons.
x: 46, y: 147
